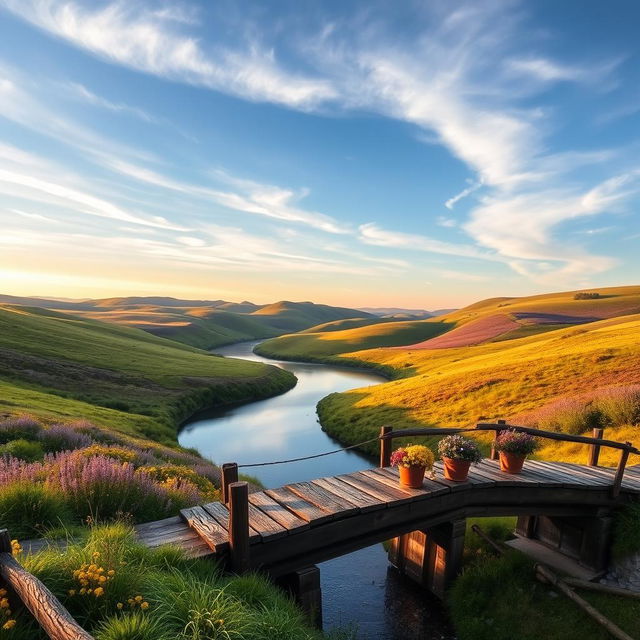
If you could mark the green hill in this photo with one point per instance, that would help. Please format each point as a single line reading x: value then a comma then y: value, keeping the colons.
x: 325, y: 344
x: 59, y: 365
x: 495, y: 319
x: 199, y: 323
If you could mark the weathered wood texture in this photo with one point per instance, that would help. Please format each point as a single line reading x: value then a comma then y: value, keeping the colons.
x: 54, y: 619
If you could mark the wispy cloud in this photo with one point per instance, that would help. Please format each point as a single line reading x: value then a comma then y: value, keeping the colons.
x: 81, y: 92
x: 474, y: 186
x: 145, y: 39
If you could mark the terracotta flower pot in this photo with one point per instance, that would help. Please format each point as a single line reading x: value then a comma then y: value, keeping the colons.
x: 511, y: 462
x: 412, y: 476
x: 456, y: 470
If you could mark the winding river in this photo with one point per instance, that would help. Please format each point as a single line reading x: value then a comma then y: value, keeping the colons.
x: 360, y: 588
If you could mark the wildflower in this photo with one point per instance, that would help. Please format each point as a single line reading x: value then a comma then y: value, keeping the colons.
x: 16, y: 548
x: 95, y: 554
x: 119, y: 605
x: 4, y: 603
x: 138, y: 598
x: 9, y: 624
x: 144, y: 605
x: 3, y: 593
x: 98, y: 592
x: 72, y: 592
x: 83, y: 591
x: 111, y: 573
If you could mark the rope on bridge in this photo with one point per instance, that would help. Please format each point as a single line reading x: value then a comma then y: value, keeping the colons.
x: 317, y: 455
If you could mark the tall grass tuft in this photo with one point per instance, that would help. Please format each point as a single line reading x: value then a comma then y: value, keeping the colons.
x: 132, y: 626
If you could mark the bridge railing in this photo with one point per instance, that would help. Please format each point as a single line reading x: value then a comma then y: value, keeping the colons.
x: 595, y: 443
x: 48, y: 611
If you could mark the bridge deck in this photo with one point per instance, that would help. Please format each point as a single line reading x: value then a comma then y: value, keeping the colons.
x: 326, y: 517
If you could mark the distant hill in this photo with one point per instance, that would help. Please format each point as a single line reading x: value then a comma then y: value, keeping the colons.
x: 62, y: 366
x: 491, y: 320
x: 200, y: 323
x: 393, y: 311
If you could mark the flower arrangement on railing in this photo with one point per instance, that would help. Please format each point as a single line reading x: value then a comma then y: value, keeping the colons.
x: 514, y: 446
x: 412, y: 462
x: 457, y: 454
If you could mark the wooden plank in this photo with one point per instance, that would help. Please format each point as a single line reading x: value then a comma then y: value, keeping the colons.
x: 572, y: 476
x: 474, y: 480
x: 389, y: 495
x: 277, y: 512
x: 207, y: 528
x: 429, y: 487
x: 266, y: 527
x: 157, y: 524
x: 323, y: 499
x: 306, y: 510
x: 363, y: 501
x: 45, y: 607
x: 220, y: 514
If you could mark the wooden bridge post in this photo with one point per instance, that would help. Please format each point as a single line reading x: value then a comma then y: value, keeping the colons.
x: 496, y: 434
x: 385, y: 447
x: 239, y: 526
x: 431, y: 557
x: 617, y: 481
x: 304, y: 586
x: 229, y: 475
x: 594, y: 449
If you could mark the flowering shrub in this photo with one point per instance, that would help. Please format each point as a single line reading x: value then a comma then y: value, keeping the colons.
x: 20, y: 427
x: 109, y: 451
x: 415, y: 455
x: 458, y: 448
x: 172, y: 474
x: 59, y: 437
x: 511, y: 441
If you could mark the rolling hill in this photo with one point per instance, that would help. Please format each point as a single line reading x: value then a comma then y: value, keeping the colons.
x: 59, y: 366
x: 199, y: 323
x: 496, y: 319
x: 597, y: 349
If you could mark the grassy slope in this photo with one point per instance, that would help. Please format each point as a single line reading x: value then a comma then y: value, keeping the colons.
x: 320, y: 345
x: 495, y: 319
x: 115, y: 375
x: 459, y: 386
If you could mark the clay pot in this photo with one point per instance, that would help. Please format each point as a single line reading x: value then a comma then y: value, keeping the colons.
x: 412, y: 476
x: 456, y: 470
x: 511, y: 462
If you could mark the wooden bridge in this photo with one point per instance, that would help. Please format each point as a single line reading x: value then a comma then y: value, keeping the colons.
x: 285, y: 531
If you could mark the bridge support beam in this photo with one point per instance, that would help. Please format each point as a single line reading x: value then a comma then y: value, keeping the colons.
x: 586, y: 539
x: 304, y: 586
x: 431, y: 557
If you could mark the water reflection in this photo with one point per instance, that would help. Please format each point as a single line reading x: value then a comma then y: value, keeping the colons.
x: 360, y: 587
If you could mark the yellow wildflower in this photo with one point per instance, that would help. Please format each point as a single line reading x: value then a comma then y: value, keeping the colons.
x: 138, y: 598
x: 111, y: 573
x: 119, y: 605
x: 4, y: 603
x: 144, y: 605
x: 72, y: 592
x: 83, y: 591
x: 9, y: 624
x: 98, y: 592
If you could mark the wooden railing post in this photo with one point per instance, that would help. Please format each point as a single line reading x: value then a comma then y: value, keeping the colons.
x: 229, y: 475
x: 239, y: 526
x: 385, y: 447
x: 48, y: 611
x: 496, y: 435
x: 617, y: 481
x: 594, y: 449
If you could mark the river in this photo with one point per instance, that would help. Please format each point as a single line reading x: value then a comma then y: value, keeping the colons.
x: 360, y: 588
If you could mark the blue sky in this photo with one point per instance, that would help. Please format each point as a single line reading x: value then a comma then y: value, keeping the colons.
x: 422, y: 154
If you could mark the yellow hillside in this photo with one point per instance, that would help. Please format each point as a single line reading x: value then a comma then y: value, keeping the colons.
x: 459, y: 386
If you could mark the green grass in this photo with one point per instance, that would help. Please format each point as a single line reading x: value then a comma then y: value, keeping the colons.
x: 322, y: 345
x: 500, y: 599
x: 184, y: 599
x: 56, y: 365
